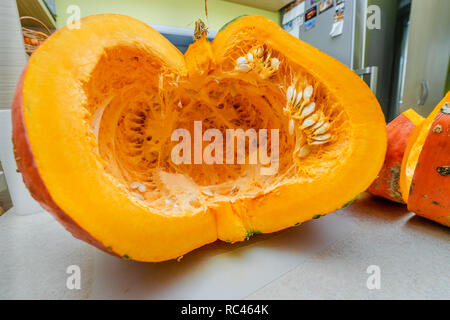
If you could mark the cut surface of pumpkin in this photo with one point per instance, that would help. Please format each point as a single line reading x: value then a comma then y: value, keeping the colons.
x: 93, y: 134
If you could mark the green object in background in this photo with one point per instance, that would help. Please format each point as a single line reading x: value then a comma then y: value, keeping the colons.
x: 230, y: 22
x: 447, y: 83
x: 173, y: 13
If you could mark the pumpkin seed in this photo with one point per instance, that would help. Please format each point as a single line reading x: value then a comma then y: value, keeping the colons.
x: 323, y: 129
x: 308, y: 110
x: 275, y: 63
x: 299, y: 98
x: 241, y: 60
x: 304, y: 151
x: 244, y: 67
x: 324, y: 137
x: 135, y: 185
x: 207, y: 192
x: 290, y: 93
x: 137, y: 195
x: 308, y: 123
x: 317, y: 125
x: 318, y: 143
x: 291, y: 127
x: 307, y: 93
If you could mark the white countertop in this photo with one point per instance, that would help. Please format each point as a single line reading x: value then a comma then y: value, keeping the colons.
x: 324, y: 258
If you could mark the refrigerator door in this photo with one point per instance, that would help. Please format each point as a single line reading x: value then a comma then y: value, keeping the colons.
x: 339, y: 47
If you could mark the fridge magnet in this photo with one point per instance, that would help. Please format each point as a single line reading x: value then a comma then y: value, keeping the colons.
x: 311, y: 13
x: 338, y: 25
x: 325, y: 5
x: 310, y: 24
x: 293, y: 11
x: 340, y: 6
x: 310, y: 18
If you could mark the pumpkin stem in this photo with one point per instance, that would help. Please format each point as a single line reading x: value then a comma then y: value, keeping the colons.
x: 200, y: 29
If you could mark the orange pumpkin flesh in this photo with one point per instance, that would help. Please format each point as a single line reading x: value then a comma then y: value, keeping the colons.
x: 399, y: 130
x: 96, y: 107
x: 430, y: 187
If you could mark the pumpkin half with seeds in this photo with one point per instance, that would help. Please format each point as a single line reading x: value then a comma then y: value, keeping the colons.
x: 96, y: 107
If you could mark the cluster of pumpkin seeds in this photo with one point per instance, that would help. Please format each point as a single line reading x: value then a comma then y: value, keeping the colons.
x: 260, y: 60
x: 305, y: 116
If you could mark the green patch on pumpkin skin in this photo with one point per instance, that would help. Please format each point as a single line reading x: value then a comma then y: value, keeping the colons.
x: 411, y: 188
x: 126, y: 257
x: 109, y: 248
x: 394, y: 185
x: 350, y: 202
x: 437, y: 204
x: 297, y: 224
x: 28, y: 108
x: 231, y: 21
x: 317, y: 216
x: 251, y: 233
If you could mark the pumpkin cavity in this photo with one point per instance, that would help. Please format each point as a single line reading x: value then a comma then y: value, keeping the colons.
x: 134, y: 102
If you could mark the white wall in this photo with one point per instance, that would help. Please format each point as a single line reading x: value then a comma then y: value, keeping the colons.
x: 12, y: 51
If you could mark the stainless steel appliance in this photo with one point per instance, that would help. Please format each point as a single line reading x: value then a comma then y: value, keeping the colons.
x: 369, y: 52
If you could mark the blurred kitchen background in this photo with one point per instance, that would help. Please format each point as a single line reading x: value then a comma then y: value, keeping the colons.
x: 401, y: 48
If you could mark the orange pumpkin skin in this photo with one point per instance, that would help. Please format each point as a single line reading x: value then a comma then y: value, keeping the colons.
x: 414, y: 149
x: 65, y: 156
x: 399, y: 130
x: 430, y: 189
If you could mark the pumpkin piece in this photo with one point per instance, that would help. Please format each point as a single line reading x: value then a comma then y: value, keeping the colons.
x: 414, y: 149
x: 96, y: 107
x: 430, y: 194
x: 399, y: 130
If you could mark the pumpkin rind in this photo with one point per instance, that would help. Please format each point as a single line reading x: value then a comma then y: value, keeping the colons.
x: 430, y: 194
x: 414, y: 149
x: 31, y: 177
x: 66, y: 161
x: 399, y: 130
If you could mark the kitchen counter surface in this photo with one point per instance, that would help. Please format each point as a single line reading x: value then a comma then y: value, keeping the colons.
x: 326, y: 258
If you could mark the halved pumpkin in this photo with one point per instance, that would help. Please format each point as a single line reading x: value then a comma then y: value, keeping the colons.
x: 399, y: 130
x: 414, y: 149
x: 96, y: 107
